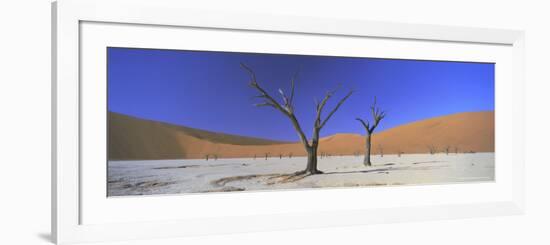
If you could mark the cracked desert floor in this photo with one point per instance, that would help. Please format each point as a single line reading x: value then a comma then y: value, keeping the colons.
x: 152, y: 177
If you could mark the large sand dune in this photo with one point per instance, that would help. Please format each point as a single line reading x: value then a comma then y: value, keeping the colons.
x: 132, y: 138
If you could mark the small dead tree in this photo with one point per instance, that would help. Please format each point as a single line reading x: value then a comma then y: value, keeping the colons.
x: 456, y: 150
x: 432, y: 149
x: 287, y: 109
x: 266, y: 156
x: 207, y: 157
x: 377, y: 116
x: 399, y: 152
x: 290, y: 155
x: 381, y: 150
x: 447, y: 149
x: 254, y: 156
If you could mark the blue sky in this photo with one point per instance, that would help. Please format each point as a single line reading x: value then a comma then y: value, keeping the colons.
x: 209, y: 90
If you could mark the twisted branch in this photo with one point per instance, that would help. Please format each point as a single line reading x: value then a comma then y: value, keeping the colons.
x: 377, y: 115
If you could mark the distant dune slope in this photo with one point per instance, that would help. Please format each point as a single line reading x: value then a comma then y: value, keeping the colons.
x: 132, y: 138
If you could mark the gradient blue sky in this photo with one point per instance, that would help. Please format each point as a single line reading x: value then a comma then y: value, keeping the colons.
x: 209, y: 90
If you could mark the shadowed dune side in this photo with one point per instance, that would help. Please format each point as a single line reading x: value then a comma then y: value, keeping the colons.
x: 132, y: 138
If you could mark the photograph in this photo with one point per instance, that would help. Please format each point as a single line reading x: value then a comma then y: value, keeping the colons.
x: 196, y: 121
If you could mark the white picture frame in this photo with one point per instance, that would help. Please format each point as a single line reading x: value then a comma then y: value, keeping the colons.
x: 68, y: 198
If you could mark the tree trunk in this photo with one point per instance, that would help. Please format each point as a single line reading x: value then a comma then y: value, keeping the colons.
x: 366, y: 161
x: 312, y: 161
x: 312, y: 153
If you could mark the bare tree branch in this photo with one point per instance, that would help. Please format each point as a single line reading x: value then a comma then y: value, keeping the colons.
x: 251, y: 73
x: 260, y: 96
x: 365, y: 124
x: 377, y: 115
x: 287, y: 104
x: 316, y: 101
x: 265, y: 104
x: 269, y: 101
x: 292, y: 86
x: 325, y: 100
x: 336, y: 108
x: 263, y: 94
x: 319, y: 108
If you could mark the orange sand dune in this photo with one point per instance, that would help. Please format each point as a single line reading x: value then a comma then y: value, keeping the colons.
x: 132, y: 138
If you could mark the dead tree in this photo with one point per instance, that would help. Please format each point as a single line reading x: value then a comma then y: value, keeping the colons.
x: 377, y: 115
x: 290, y: 155
x: 432, y: 149
x: 266, y: 155
x: 399, y: 153
x: 447, y: 149
x: 287, y: 109
x: 381, y: 150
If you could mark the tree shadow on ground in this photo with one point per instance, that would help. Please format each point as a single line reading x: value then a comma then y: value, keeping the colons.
x: 272, y: 179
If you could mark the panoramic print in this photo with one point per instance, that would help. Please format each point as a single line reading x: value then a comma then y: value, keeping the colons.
x: 206, y: 121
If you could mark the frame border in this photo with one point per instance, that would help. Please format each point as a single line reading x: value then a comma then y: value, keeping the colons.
x: 66, y: 18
